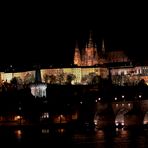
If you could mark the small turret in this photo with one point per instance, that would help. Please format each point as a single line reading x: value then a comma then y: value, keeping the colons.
x: 103, y: 47
x: 90, y: 43
x: 77, y: 56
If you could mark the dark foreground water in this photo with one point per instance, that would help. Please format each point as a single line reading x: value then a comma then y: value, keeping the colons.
x: 45, y: 137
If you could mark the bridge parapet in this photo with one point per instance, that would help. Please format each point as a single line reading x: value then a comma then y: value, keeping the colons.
x: 118, y: 105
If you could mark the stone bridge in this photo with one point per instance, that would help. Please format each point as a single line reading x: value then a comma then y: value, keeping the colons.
x: 121, y: 113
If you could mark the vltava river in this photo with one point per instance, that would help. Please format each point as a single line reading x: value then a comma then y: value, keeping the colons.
x: 46, y: 137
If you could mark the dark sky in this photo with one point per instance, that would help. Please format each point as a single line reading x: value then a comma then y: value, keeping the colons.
x: 43, y: 35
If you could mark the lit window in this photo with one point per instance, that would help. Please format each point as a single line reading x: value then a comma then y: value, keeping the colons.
x: 45, y: 115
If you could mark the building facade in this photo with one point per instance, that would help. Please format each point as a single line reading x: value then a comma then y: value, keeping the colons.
x: 91, y: 64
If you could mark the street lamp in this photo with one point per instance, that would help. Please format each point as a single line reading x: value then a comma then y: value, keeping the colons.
x: 20, y: 113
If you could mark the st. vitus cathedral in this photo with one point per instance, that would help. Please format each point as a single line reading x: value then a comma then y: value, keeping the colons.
x: 90, y: 56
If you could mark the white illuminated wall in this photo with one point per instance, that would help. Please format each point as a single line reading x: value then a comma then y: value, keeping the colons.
x: 38, y: 90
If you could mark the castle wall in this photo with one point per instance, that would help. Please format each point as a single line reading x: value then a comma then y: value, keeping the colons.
x: 120, y: 76
x: 6, y: 77
x: 21, y: 75
x: 80, y: 74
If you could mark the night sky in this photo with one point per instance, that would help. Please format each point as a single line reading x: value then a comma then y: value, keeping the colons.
x: 41, y: 35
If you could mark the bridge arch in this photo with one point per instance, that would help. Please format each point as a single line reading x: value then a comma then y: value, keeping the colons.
x: 119, y: 118
x: 104, y: 118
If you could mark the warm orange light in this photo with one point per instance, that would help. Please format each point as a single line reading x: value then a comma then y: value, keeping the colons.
x: 17, y: 118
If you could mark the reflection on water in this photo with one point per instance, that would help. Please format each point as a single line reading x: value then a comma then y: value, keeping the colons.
x: 116, y: 138
x: 18, y: 134
x: 122, y: 133
x: 45, y: 131
x: 61, y: 130
x: 100, y: 134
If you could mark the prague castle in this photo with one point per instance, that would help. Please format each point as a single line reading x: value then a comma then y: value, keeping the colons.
x: 90, y: 65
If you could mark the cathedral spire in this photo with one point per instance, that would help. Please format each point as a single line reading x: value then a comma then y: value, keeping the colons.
x: 96, y: 57
x: 77, y: 55
x: 90, y: 43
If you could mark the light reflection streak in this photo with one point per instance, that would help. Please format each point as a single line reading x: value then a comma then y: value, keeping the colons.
x: 18, y: 134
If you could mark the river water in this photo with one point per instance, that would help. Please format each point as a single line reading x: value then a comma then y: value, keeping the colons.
x: 61, y: 137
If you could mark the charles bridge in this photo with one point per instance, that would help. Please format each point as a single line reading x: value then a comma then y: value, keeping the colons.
x: 124, y: 113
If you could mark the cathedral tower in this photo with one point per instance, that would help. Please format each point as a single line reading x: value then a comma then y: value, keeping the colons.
x: 89, y: 55
x: 77, y: 56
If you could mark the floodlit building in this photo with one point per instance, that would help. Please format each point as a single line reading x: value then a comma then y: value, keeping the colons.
x: 90, y: 65
x: 89, y: 55
x: 38, y: 89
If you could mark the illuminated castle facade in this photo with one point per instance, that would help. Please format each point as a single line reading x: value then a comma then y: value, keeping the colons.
x: 91, y: 65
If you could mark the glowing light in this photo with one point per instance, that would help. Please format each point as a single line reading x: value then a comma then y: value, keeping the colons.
x: 117, y: 105
x: 61, y: 130
x: 99, y: 99
x: 140, y: 96
x: 145, y: 121
x: 18, y: 134
x: 122, y: 123
x: 95, y: 122
x: 116, y: 122
x: 17, y: 118
x: 45, y: 115
x: 45, y: 131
